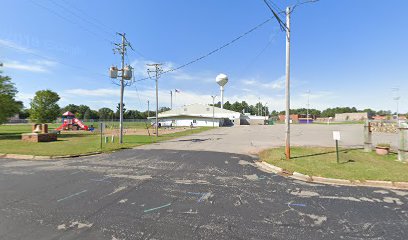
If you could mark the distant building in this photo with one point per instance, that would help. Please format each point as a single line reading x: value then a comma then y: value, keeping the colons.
x: 16, y: 119
x: 293, y: 117
x: 381, y: 117
x: 342, y: 117
x: 199, y: 115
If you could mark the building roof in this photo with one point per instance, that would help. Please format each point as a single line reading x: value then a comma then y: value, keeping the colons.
x: 200, y: 110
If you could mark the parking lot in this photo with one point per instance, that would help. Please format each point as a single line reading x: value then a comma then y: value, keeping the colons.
x: 250, y: 139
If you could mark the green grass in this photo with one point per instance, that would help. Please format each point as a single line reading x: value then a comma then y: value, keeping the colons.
x: 354, y: 164
x: 138, y: 125
x: 73, y: 143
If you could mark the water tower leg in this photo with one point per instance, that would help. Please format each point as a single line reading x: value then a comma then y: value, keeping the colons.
x: 222, y: 97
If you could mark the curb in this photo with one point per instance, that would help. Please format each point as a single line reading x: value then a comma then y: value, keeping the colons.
x: 332, y: 181
x: 33, y: 157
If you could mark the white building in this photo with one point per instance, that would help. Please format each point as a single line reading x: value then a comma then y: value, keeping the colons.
x: 199, y: 115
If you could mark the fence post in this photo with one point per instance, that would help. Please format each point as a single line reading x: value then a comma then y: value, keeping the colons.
x: 403, y: 142
x: 367, y: 137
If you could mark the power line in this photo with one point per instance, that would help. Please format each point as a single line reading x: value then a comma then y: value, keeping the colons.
x: 213, y: 51
x: 304, y: 2
x: 275, y: 14
x: 80, y: 17
x: 69, y: 20
x: 262, y: 50
x: 276, y: 7
x: 100, y: 23
x: 105, y: 28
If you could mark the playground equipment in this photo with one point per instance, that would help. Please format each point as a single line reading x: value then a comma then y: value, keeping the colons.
x: 69, y: 122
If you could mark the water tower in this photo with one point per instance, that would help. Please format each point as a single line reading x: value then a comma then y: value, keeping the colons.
x: 222, y: 79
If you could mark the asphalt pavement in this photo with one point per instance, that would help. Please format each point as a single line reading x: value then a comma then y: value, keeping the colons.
x: 186, y: 194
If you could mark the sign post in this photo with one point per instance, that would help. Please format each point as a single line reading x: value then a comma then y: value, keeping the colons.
x: 336, y: 137
x: 102, y: 129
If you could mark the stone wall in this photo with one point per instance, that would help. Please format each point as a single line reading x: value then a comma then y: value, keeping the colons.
x: 341, y: 117
x: 39, y: 137
x: 384, y: 126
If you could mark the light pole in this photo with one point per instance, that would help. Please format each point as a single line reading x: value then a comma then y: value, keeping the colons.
x: 307, y: 111
x: 396, y: 98
x: 287, y: 85
x: 213, y: 97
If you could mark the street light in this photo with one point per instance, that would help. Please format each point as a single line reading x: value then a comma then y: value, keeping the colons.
x: 307, y: 111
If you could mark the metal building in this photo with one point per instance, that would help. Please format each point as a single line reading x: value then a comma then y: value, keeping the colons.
x: 199, y: 115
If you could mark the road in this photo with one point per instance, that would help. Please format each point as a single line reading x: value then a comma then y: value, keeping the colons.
x: 162, y: 192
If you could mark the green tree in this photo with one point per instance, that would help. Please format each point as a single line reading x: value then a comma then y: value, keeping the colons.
x: 227, y: 105
x: 44, y: 107
x: 164, y: 109
x: 118, y: 110
x: 70, y: 108
x: 82, y: 111
x: 24, y: 113
x: 8, y: 105
x: 105, y: 113
x: 371, y: 113
x: 93, y: 114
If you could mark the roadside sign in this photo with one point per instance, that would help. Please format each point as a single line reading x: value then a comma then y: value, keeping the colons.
x: 336, y: 135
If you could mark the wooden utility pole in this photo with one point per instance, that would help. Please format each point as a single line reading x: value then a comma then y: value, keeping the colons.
x: 287, y: 94
x: 122, y: 88
x: 157, y: 70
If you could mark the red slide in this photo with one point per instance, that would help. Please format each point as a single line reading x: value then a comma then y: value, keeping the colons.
x: 80, y: 124
x: 62, y: 126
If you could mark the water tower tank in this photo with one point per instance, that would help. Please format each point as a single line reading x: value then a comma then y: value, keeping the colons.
x: 221, y: 79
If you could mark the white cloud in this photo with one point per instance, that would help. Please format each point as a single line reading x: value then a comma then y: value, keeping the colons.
x: 30, y: 66
x: 15, y: 46
x: 101, y: 92
x: 272, y: 85
x: 318, y: 95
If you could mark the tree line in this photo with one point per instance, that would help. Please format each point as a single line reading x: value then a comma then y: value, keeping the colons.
x: 44, y: 108
x: 260, y: 109
x: 244, y: 107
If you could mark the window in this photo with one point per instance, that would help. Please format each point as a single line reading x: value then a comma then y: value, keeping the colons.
x: 194, y: 121
x: 208, y: 109
x: 185, y: 109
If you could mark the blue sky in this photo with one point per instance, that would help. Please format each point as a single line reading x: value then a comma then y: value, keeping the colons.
x: 347, y: 53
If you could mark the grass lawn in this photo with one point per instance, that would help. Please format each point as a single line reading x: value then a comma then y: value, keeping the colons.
x: 73, y: 143
x: 354, y: 164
